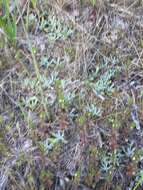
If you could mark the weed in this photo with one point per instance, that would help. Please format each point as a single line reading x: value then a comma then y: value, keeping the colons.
x: 106, y: 164
x: 115, y: 123
x: 103, y: 85
x: 60, y: 94
x: 94, y: 110
x: 77, y: 176
x: 52, y: 142
x: 81, y: 120
x: 61, y: 127
x: 32, y: 19
x: 93, y: 2
x: 55, y: 29
x: 46, y: 177
x: 138, y: 154
x: 139, y: 180
x: 50, y: 62
x: 59, y: 136
x: 34, y: 3
x: 50, y: 81
x: 46, y: 146
x: 32, y: 102
x: 129, y: 150
x: 8, y: 22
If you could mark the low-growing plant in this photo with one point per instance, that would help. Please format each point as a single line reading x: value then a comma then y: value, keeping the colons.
x: 34, y: 3
x: 46, y: 82
x: 55, y: 29
x: 49, y: 62
x: 101, y: 84
x: 32, y: 19
x: 50, y: 143
x: 115, y: 122
x: 93, y: 2
x: 32, y: 102
x: 111, y: 162
x: 8, y: 21
x: 106, y: 164
x: 104, y: 84
x: 139, y: 180
x: 116, y: 158
x: 60, y: 94
x: 93, y: 110
x: 129, y: 149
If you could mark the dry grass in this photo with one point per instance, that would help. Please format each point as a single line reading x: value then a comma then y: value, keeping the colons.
x: 71, y: 97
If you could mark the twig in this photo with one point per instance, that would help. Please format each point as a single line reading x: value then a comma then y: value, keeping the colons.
x: 24, y: 5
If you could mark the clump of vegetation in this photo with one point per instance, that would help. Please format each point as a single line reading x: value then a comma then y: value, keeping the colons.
x: 71, y: 95
x: 55, y: 29
x: 8, y: 21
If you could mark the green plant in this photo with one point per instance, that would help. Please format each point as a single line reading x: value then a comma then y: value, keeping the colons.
x: 93, y: 2
x: 139, y: 180
x: 111, y: 161
x: 69, y: 97
x: 31, y: 102
x: 32, y: 19
x: 138, y: 154
x: 8, y: 22
x: 34, y: 3
x: 93, y: 110
x: 30, y: 84
x: 46, y: 82
x: 104, y: 84
x: 129, y: 150
x: 49, y: 62
x: 114, y: 121
x: 60, y: 94
x: 50, y: 143
x: 55, y: 29
x: 101, y: 84
x: 106, y: 164
x: 116, y: 158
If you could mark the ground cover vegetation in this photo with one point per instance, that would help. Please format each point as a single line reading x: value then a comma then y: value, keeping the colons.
x: 71, y: 95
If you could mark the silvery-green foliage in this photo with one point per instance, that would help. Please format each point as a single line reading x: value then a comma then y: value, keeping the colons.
x: 139, y: 180
x: 109, y: 62
x: 56, y: 29
x: 69, y: 96
x: 56, y: 138
x: 30, y: 83
x: 106, y: 164
x: 116, y: 157
x: 129, y: 149
x: 101, y: 84
x: 45, y: 62
x: 93, y: 110
x: 59, y: 136
x: 50, y: 62
x: 47, y: 82
x: 104, y: 84
x: 47, y: 145
x: 100, y: 81
x: 32, y: 18
x: 93, y: 75
x: 31, y: 102
x: 111, y: 160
